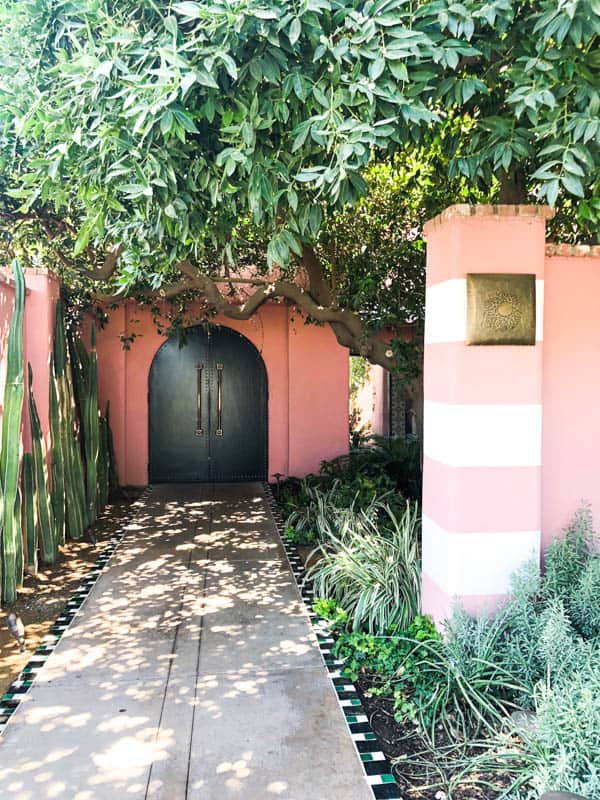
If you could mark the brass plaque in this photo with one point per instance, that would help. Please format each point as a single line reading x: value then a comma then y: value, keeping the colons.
x: 500, y: 309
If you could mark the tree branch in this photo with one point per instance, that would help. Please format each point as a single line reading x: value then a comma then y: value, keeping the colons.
x: 346, y: 325
x: 319, y: 287
x: 108, y: 268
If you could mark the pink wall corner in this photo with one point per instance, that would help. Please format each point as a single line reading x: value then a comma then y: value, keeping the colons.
x: 571, y: 391
x: 318, y: 396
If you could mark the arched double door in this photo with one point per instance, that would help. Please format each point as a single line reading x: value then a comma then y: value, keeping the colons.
x: 208, y: 409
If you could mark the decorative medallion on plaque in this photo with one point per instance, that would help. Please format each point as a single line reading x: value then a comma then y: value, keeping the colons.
x: 500, y: 309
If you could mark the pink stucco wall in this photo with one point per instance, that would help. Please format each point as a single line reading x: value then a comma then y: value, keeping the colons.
x: 38, y: 332
x: 6, y: 308
x: 571, y: 387
x: 307, y: 375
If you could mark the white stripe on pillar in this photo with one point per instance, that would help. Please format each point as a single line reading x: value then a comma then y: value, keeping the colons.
x: 463, y: 435
x: 446, y: 311
x: 476, y: 563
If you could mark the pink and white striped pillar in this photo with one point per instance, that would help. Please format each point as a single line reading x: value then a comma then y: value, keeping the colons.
x: 482, y: 436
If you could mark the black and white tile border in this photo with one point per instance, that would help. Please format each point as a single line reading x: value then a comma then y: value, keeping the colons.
x: 377, y: 768
x: 18, y: 688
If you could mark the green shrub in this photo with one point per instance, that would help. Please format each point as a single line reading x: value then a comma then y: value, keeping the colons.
x: 567, y: 556
x: 585, y: 600
x: 382, y: 657
x: 399, y: 458
x: 371, y: 567
x: 518, y: 647
x: 396, y: 460
x: 561, y: 650
x: 321, y: 509
x: 460, y: 697
x: 562, y: 749
x: 302, y: 524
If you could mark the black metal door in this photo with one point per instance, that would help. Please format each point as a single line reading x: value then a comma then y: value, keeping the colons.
x: 208, y: 409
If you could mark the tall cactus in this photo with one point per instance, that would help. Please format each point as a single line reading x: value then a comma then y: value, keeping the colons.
x: 85, y: 370
x: 113, y: 478
x: 40, y: 470
x: 30, y: 516
x: 103, y: 466
x: 92, y: 445
x: 57, y: 458
x: 10, y: 518
x: 73, y: 471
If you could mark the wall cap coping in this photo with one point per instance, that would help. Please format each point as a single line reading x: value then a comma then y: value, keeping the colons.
x: 8, y: 280
x: 503, y: 211
x: 6, y: 276
x: 573, y: 250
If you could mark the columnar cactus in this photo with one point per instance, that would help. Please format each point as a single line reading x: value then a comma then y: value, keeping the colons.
x: 30, y: 516
x: 57, y: 457
x: 40, y: 471
x: 10, y: 452
x: 73, y: 471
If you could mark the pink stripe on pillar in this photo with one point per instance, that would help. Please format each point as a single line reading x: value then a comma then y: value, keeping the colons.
x: 455, y: 373
x: 438, y: 604
x: 492, y: 239
x: 482, y: 499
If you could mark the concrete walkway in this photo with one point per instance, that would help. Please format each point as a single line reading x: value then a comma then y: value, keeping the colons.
x: 190, y: 672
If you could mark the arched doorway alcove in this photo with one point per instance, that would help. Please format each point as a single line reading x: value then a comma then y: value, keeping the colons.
x: 208, y: 408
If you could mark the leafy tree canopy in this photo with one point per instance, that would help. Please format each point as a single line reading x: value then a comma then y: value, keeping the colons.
x: 153, y: 142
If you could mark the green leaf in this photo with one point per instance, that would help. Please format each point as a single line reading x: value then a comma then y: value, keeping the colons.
x: 300, y: 87
x: 320, y: 96
x: 551, y: 191
x: 294, y: 30
x: 398, y: 70
x: 572, y: 184
x: 83, y: 239
x: 376, y: 68
x: 104, y: 69
x: 301, y: 132
x: 170, y: 23
x: 166, y: 122
x: 188, y: 9
x: 132, y: 190
x: 185, y: 120
x: 187, y: 82
x: 205, y: 78
x: 230, y: 65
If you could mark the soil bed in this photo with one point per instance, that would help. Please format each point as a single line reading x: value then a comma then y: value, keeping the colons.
x: 422, y: 773
x: 43, y: 597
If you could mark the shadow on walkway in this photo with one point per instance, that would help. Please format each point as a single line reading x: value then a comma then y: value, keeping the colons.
x: 190, y: 672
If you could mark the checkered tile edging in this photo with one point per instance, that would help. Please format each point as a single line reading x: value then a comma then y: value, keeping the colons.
x: 377, y: 768
x: 19, y: 687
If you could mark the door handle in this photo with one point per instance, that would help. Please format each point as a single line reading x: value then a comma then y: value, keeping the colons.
x: 219, y: 431
x: 199, y: 431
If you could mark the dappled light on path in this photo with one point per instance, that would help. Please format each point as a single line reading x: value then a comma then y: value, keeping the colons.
x: 190, y: 672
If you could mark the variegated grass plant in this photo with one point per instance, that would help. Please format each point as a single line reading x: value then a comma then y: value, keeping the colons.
x: 369, y: 563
